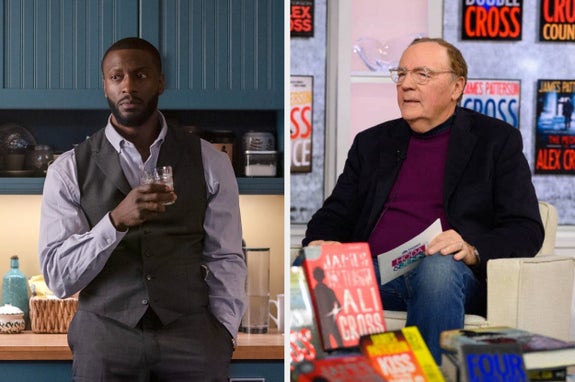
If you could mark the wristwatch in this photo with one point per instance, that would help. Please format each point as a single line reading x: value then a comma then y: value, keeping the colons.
x: 234, y: 342
x: 476, y: 253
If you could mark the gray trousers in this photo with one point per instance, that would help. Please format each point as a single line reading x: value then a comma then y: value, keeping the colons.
x: 193, y: 348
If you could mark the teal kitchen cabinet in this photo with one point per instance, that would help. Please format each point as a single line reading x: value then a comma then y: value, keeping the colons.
x: 50, y: 51
x: 219, y: 55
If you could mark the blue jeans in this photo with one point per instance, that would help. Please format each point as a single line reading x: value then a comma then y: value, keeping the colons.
x: 436, y: 295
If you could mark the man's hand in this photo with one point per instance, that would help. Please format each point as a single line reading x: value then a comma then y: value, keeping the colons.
x: 141, y: 204
x: 450, y: 242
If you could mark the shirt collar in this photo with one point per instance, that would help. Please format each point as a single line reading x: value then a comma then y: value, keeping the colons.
x: 118, y: 141
x: 442, y: 127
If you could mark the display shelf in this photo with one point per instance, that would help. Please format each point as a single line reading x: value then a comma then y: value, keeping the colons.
x: 371, y: 77
x: 350, y: 21
x: 247, y: 186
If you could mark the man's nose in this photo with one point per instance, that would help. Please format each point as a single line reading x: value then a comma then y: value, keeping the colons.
x: 128, y: 84
x: 409, y: 80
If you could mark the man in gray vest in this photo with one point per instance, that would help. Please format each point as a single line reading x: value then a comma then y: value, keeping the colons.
x: 161, y: 286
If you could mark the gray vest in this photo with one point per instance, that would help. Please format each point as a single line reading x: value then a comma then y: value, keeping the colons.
x: 159, y: 263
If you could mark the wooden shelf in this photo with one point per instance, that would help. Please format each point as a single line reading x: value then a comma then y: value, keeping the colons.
x: 261, y: 186
x: 260, y: 346
x: 28, y: 346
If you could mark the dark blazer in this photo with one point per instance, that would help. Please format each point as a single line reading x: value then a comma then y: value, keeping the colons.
x: 488, y: 195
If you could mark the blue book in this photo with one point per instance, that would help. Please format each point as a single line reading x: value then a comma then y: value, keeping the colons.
x: 539, y: 351
x: 492, y: 363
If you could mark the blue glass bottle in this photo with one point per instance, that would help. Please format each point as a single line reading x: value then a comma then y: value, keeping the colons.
x: 15, y: 288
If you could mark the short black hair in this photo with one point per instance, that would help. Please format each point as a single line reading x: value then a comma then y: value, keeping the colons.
x: 135, y: 43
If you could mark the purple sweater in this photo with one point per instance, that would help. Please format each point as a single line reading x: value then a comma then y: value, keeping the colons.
x: 416, y: 198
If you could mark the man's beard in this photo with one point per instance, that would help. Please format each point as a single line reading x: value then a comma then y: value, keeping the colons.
x: 134, y: 120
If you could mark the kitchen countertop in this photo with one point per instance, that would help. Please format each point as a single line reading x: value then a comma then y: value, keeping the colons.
x: 29, y: 346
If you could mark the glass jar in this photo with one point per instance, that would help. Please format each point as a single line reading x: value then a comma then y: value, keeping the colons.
x: 39, y: 157
x: 256, y: 316
x: 258, y: 141
x: 15, y: 288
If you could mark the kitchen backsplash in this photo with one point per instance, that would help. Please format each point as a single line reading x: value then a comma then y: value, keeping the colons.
x: 262, y: 221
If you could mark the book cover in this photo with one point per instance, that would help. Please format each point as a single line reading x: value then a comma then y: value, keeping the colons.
x: 555, y: 131
x: 497, y: 98
x: 450, y: 369
x: 348, y: 368
x: 344, y: 293
x: 539, y: 351
x: 301, y: 123
x: 556, y: 21
x: 301, y: 18
x: 400, y: 355
x: 304, y: 338
x: 492, y: 20
x: 493, y: 362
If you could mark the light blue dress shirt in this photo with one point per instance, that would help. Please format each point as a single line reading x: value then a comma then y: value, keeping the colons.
x: 72, y: 254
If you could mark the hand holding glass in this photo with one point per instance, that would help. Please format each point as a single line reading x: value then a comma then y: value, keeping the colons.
x: 161, y: 175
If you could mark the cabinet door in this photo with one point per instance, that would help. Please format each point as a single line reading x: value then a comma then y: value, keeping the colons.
x: 50, y: 51
x: 218, y: 54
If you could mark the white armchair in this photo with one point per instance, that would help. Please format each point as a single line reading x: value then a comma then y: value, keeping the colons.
x: 533, y: 293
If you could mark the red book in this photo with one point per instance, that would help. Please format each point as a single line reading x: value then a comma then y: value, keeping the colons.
x: 351, y: 368
x: 344, y: 292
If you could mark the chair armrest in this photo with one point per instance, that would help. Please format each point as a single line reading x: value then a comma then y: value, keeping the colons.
x: 534, y: 294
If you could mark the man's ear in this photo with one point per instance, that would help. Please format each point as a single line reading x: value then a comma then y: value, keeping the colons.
x: 104, y: 87
x: 458, y: 88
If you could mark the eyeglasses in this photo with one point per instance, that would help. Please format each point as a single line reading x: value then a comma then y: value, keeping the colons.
x: 421, y: 75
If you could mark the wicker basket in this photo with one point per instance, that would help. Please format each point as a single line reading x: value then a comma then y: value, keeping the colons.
x: 51, y: 315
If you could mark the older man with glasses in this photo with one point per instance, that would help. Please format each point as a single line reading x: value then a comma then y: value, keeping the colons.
x: 437, y: 161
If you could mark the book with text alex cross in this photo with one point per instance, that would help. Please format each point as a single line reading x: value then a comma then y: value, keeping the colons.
x: 406, y: 256
x: 400, y: 355
x: 539, y: 351
x: 344, y: 293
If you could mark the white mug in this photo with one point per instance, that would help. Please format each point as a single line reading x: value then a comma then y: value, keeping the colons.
x: 279, y: 320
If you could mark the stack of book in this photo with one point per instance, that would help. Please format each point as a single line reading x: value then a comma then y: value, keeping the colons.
x: 504, y: 354
x: 338, y: 333
x: 338, y: 329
